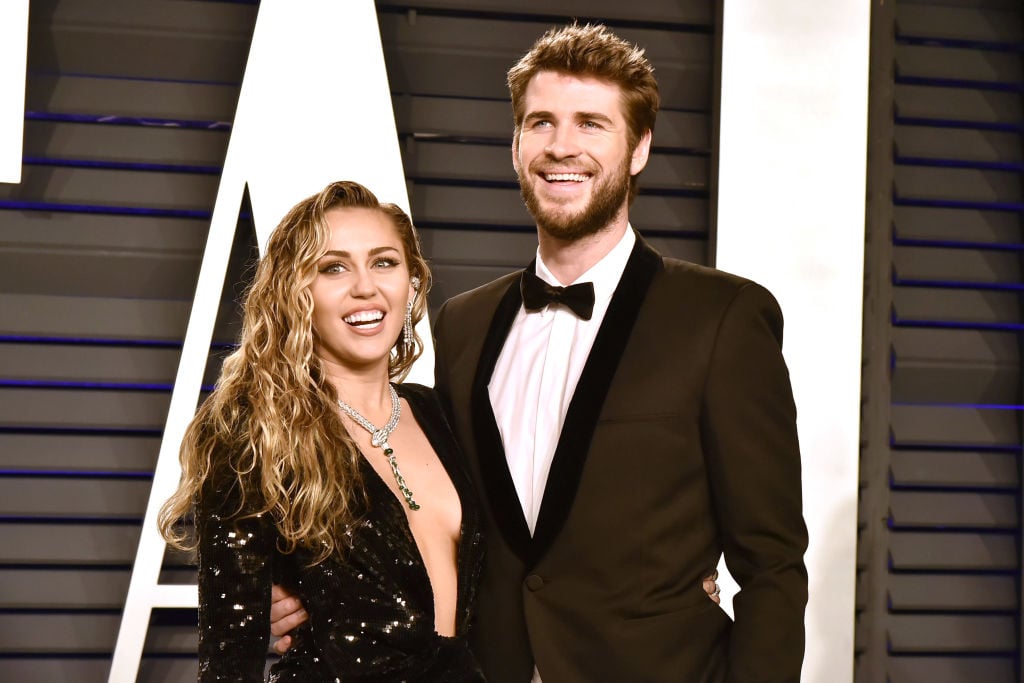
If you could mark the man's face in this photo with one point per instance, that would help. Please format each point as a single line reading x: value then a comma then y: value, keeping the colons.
x: 572, y: 154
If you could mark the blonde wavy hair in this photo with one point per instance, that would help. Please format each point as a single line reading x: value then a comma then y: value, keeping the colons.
x: 271, y: 426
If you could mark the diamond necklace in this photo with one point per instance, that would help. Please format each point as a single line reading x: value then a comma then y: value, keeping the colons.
x: 379, y: 438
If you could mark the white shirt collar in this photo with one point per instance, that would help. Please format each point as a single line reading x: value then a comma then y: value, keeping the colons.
x: 605, y: 274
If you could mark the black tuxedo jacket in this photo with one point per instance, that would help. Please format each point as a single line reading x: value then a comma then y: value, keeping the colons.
x: 679, y: 444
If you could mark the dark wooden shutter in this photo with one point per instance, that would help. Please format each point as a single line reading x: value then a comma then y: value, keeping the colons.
x: 128, y: 112
x: 939, y: 590
x: 129, y: 107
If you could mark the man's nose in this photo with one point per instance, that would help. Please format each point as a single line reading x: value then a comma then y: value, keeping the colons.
x: 563, y: 144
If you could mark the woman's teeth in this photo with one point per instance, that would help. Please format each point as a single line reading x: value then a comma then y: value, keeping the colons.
x: 364, y: 318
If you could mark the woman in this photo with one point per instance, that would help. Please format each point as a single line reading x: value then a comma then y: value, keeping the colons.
x: 308, y: 467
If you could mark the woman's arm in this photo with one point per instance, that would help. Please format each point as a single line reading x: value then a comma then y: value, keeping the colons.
x: 235, y: 574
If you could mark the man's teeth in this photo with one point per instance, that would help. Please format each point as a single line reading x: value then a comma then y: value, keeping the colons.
x: 575, y: 177
x: 363, y: 317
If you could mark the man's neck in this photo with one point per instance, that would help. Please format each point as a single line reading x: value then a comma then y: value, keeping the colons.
x: 569, y: 259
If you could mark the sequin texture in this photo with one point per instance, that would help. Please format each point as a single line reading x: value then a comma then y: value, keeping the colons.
x: 371, y: 614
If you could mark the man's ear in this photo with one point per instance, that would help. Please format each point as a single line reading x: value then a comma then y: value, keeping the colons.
x: 642, y: 151
x: 515, y: 150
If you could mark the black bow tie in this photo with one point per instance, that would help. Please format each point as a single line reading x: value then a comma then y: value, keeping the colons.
x: 537, y: 294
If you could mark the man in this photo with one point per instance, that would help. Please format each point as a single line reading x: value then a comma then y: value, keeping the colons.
x: 624, y: 433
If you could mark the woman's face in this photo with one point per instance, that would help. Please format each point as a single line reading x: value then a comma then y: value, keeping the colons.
x: 360, y: 291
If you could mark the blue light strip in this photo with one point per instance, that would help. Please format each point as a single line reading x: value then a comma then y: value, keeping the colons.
x: 1007, y: 489
x: 955, y: 244
x: 959, y: 43
x: 995, y: 126
x: 61, y: 610
x: 93, y: 341
x: 893, y: 525
x: 1016, y: 207
x: 145, y: 121
x: 952, y: 284
x: 64, y: 566
x: 81, y: 431
x: 956, y: 571
x: 73, y: 521
x: 1007, y: 449
x: 85, y: 341
x: 122, y: 165
x: 948, y: 612
x: 76, y: 474
x: 1010, y: 166
x: 958, y: 325
x: 971, y: 406
x: 105, y: 210
x: 67, y: 384
x: 961, y: 83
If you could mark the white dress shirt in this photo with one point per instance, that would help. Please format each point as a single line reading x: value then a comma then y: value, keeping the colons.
x: 536, y: 375
x: 537, y: 371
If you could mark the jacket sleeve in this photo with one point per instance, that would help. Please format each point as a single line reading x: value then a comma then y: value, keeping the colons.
x: 749, y: 434
x: 235, y: 574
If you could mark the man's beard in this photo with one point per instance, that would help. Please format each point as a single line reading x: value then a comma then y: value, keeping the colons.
x: 605, y: 202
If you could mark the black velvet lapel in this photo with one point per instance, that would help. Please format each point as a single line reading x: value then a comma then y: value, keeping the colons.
x: 585, y: 407
x: 501, y: 490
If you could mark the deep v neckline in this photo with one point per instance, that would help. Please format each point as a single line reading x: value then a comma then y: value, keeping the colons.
x: 398, y: 504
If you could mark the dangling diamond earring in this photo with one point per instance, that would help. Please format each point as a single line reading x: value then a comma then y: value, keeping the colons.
x: 407, y: 336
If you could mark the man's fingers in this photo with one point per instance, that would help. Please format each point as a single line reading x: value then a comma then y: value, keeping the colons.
x: 713, y: 590
x: 284, y: 607
x: 280, y: 627
x: 282, y: 644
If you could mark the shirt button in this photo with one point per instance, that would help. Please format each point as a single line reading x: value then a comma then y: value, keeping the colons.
x: 534, y: 582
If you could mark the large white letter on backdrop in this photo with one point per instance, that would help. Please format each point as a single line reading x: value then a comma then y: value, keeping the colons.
x: 791, y: 215
x: 13, y: 55
x: 314, y: 107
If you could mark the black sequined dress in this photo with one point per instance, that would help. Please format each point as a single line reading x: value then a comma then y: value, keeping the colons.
x: 371, y: 614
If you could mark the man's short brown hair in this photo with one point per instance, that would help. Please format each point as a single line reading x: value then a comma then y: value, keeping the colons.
x: 592, y: 50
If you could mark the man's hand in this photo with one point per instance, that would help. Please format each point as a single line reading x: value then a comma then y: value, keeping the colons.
x: 286, y: 613
x: 710, y: 587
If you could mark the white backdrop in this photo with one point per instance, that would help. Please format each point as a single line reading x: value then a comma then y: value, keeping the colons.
x: 13, y: 52
x: 791, y: 191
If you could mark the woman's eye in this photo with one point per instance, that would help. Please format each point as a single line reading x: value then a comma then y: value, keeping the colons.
x: 385, y: 263
x: 332, y: 268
